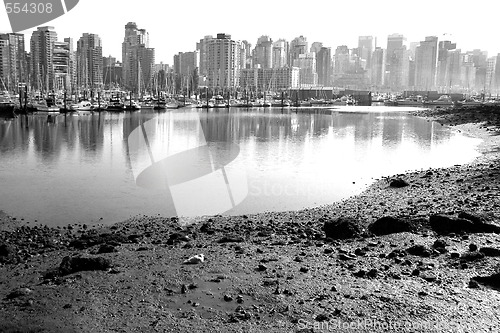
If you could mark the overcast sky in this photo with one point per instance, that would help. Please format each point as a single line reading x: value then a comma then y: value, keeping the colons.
x: 176, y: 26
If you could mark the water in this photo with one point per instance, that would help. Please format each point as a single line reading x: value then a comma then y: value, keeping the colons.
x: 80, y: 169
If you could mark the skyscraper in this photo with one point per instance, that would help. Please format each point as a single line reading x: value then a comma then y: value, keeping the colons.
x: 41, y: 57
x: 306, y: 62
x: 202, y: 48
x: 223, y: 65
x: 14, y: 64
x: 324, y: 66
x: 4, y: 64
x: 297, y: 46
x: 89, y: 61
x: 365, y: 49
x: 394, y: 62
x: 61, y: 66
x: 264, y: 52
x: 426, y: 63
x: 378, y: 67
x: 186, y: 66
x: 72, y: 64
x: 280, y: 53
x: 138, y: 58
x: 443, y: 75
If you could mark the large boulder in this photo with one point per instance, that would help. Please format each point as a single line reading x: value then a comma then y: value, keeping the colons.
x: 389, y: 225
x: 443, y: 224
x: 76, y: 264
x: 465, y: 222
x: 341, y: 228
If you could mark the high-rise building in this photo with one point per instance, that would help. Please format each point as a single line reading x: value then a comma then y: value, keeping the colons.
x: 186, y: 66
x: 298, y: 46
x: 365, y: 49
x: 138, y: 59
x: 61, y: 68
x: 72, y: 64
x: 89, y: 61
x: 223, y: 65
x: 342, y: 60
x: 394, y: 62
x: 202, y: 48
x: 246, y: 60
x: 280, y: 53
x: 467, y: 72
x: 264, y: 52
x: 41, y: 57
x: 13, y: 69
x: 426, y: 56
x: 4, y: 64
x: 378, y: 67
x: 315, y: 47
x: 112, y: 72
x: 324, y: 66
x: 443, y: 68
x: 306, y: 62
x: 490, y: 74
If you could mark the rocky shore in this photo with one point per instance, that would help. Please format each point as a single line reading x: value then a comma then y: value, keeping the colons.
x: 414, y: 252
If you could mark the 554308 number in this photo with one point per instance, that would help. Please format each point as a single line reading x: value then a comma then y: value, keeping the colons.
x: 28, y: 8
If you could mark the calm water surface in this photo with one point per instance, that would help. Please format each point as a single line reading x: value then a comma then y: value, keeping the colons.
x: 76, y: 169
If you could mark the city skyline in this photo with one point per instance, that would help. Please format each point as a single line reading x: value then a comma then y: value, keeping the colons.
x: 319, y: 22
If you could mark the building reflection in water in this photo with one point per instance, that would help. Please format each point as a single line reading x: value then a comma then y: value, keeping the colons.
x: 293, y: 159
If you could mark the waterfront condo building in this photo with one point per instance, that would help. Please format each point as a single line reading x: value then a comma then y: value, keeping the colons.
x: 89, y: 62
x: 223, y: 62
x: 263, y: 52
x: 41, y: 57
x: 13, y: 66
x: 426, y: 56
x: 138, y: 59
x: 280, y: 53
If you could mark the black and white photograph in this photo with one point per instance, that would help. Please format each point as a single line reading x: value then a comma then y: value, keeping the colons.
x: 249, y: 166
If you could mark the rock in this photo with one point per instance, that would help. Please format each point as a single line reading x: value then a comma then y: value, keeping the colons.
x: 328, y: 251
x: 262, y: 268
x: 321, y: 317
x: 444, y: 224
x: 344, y: 256
x: 454, y: 255
x: 228, y: 298
x: 71, y: 265
x: 389, y: 225
x: 361, y: 273
x: 304, y: 269
x: 473, y: 284
x: 372, y: 273
x: 230, y: 239
x: 490, y: 251
x: 19, y: 293
x: 419, y: 250
x: 472, y: 256
x: 491, y: 280
x: 470, y: 217
x: 439, y: 243
x: 398, y: 183
x: 341, y: 228
x: 197, y: 259
x: 472, y: 247
x: 416, y: 272
x: 359, y: 252
x: 428, y: 277
x: 107, y: 248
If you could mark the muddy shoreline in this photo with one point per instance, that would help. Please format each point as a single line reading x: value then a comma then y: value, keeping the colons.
x: 278, y: 272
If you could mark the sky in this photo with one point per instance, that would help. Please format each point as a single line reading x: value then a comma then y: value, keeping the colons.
x: 176, y: 26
